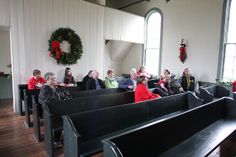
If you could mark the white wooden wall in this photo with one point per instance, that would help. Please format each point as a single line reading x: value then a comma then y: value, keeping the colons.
x: 5, y: 12
x: 33, y: 21
x: 123, y: 26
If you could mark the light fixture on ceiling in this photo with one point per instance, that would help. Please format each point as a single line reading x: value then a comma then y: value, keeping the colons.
x: 167, y: 1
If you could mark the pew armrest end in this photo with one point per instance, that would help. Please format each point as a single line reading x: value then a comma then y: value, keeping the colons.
x: 110, y: 149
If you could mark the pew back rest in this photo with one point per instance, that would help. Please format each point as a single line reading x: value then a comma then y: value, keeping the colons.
x: 21, y: 87
x: 104, y: 121
x: 77, y: 93
x: 218, y: 91
x: 178, y: 102
x: 167, y: 105
x: 97, y: 123
x: 205, y: 95
x: 148, y: 138
x: 28, y: 95
x: 89, y: 103
x: 234, y: 95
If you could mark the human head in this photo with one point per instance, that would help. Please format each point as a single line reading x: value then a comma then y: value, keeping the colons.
x: 90, y: 73
x: 50, y: 78
x: 68, y: 71
x: 110, y: 73
x: 142, y: 69
x: 142, y: 80
x: 36, y: 74
x: 166, y: 72
x: 133, y: 74
x: 95, y: 74
x: 186, y: 72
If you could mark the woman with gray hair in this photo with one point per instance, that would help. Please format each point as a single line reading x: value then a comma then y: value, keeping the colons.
x: 51, y: 91
x: 131, y: 82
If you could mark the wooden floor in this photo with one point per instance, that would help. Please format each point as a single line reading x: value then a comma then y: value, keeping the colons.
x: 16, y: 140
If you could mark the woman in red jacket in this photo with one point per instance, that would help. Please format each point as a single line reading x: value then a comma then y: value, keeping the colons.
x: 142, y: 92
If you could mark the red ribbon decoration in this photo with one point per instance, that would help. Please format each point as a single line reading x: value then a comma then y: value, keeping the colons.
x: 57, y: 49
x: 182, y: 54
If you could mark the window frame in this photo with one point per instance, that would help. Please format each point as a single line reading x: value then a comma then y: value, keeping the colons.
x: 223, y: 38
x: 147, y: 16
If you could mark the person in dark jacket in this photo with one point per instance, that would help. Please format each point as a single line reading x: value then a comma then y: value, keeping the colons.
x: 94, y: 82
x: 52, y: 92
x: 85, y: 79
x: 187, y: 81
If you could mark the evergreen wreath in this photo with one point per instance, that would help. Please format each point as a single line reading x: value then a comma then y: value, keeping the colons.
x: 65, y: 34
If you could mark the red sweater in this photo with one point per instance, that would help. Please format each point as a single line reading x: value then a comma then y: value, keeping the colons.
x: 234, y: 86
x: 142, y: 93
x: 32, y: 82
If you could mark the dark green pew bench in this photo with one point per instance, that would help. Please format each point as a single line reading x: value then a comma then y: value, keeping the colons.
x: 83, y: 132
x: 194, y: 133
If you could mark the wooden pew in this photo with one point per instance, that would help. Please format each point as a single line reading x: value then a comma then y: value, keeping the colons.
x: 83, y: 132
x: 54, y: 111
x: 194, y: 133
x: 208, y: 94
x: 28, y: 104
x: 234, y: 95
x: 75, y: 92
x: 21, y: 87
x: 216, y: 91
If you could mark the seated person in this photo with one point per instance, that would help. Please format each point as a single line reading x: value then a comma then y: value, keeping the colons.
x: 142, y: 92
x: 187, y: 81
x: 131, y: 82
x: 175, y: 86
x: 110, y: 81
x: 69, y: 79
x: 234, y: 86
x: 164, y: 86
x: 142, y: 71
x: 52, y: 92
x: 94, y: 82
x: 166, y: 72
x: 85, y: 79
x: 36, y: 81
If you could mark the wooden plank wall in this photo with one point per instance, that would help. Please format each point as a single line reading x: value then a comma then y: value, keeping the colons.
x: 5, y: 87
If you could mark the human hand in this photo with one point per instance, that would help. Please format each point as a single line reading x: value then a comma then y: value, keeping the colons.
x: 62, y: 84
x: 130, y: 87
x: 181, y: 89
x: 38, y: 85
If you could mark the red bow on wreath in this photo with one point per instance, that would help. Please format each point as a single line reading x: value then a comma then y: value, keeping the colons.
x: 56, y: 49
x: 182, y: 51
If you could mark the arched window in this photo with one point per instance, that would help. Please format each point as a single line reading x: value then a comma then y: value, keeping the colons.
x: 152, y: 49
x: 229, y: 42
